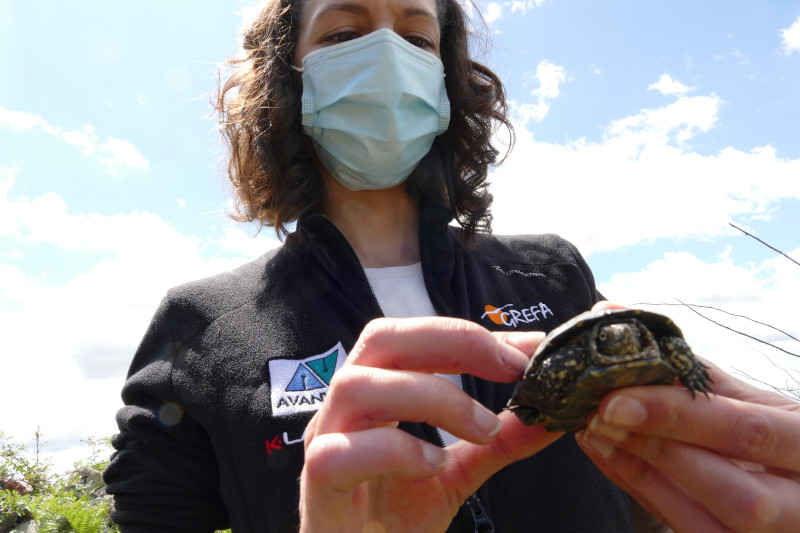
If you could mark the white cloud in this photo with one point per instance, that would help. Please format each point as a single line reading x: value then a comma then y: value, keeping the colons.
x: 684, y: 276
x: 78, y: 340
x: 248, y: 13
x: 640, y: 183
x: 8, y: 222
x: 77, y: 337
x: 493, y: 12
x: 550, y: 77
x: 21, y: 121
x: 667, y: 86
x: 791, y: 37
x: 46, y: 219
x: 680, y: 120
x: 235, y: 239
x: 117, y: 155
x: 524, y: 113
x: 85, y: 138
x: 761, y: 292
x: 741, y: 59
x: 644, y: 181
x: 524, y: 7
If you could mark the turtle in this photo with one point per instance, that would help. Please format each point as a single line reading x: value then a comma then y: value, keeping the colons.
x: 597, y: 352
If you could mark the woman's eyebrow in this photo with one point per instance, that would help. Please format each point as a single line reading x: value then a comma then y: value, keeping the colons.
x: 343, y: 6
x: 361, y: 10
x: 417, y: 11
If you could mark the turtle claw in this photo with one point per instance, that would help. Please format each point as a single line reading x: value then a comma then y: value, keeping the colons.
x: 698, y: 379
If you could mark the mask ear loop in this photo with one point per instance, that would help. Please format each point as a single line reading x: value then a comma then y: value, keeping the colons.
x: 298, y: 69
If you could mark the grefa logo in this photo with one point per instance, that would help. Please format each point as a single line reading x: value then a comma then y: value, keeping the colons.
x: 508, y: 316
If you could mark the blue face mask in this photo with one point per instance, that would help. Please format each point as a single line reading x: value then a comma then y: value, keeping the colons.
x: 373, y: 107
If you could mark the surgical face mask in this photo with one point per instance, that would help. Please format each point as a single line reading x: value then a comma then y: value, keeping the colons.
x: 373, y: 107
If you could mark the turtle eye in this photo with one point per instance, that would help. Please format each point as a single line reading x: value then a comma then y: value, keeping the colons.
x: 602, y: 336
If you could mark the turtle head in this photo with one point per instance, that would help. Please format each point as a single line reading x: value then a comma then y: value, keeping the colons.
x: 618, y: 343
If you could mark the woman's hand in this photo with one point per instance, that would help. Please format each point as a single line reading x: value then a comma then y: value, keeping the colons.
x: 362, y: 473
x: 728, y: 463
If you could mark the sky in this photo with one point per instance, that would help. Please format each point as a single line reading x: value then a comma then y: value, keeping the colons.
x: 643, y: 130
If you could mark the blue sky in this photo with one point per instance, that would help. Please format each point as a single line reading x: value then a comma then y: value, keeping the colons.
x: 643, y: 129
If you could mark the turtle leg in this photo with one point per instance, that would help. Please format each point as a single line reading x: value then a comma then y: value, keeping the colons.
x: 691, y: 372
x: 530, y: 416
x: 560, y: 371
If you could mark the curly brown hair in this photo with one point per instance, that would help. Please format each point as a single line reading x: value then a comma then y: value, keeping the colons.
x: 271, y: 165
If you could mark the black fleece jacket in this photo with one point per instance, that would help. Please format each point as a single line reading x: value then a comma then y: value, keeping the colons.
x: 233, y: 367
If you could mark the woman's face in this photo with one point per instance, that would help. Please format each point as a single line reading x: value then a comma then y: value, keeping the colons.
x: 328, y: 22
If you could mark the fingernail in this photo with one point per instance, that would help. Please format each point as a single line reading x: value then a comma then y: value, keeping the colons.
x: 610, y: 432
x: 525, y: 341
x: 599, y: 446
x: 487, y: 422
x: 625, y: 411
x: 435, y: 456
x: 512, y: 356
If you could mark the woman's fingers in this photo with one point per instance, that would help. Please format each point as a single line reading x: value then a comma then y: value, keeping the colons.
x: 665, y: 499
x: 436, y: 344
x: 516, y: 441
x: 741, y: 430
x: 339, y: 461
x: 743, y: 500
x: 605, y: 305
x: 727, y: 385
x: 361, y: 398
x: 333, y: 492
x: 389, y: 377
x: 653, y: 436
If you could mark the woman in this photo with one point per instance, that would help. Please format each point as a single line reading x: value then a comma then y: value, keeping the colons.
x: 366, y: 122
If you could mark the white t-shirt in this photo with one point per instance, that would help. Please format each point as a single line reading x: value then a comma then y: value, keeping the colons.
x: 401, y: 293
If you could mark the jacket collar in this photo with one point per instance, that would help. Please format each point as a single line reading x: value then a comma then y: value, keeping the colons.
x: 320, y: 242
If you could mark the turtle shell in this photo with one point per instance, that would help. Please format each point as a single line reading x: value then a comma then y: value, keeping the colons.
x: 659, y: 325
x: 595, y: 353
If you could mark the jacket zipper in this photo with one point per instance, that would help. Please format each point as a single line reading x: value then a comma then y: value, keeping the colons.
x: 480, y: 520
x: 358, y: 261
x: 473, y: 504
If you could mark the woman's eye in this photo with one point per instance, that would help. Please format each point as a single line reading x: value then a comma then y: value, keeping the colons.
x: 420, y: 42
x: 341, y: 37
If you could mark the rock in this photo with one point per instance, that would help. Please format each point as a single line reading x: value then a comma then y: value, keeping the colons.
x: 86, y: 481
x: 15, y: 518
x: 90, y: 480
x: 7, y: 522
x: 26, y: 527
x: 21, y: 487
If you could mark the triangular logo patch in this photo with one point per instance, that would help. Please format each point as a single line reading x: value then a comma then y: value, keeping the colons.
x: 298, y: 385
x: 304, y: 380
x: 325, y: 366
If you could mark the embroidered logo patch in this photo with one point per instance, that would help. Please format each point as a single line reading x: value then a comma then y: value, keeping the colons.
x: 509, y: 316
x: 299, y: 386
